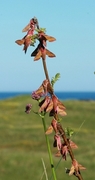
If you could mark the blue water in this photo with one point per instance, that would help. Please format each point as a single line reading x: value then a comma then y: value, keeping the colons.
x: 60, y: 95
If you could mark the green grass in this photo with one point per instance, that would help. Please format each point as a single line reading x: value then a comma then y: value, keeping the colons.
x: 22, y: 141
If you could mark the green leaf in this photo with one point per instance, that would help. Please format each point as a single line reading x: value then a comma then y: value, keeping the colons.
x: 41, y: 30
x: 69, y: 132
x: 54, y: 79
x: 33, y: 39
x: 57, y: 76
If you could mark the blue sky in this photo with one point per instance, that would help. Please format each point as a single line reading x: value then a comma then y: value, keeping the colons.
x: 71, y: 22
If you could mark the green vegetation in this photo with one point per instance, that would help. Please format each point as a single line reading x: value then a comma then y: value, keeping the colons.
x: 22, y: 141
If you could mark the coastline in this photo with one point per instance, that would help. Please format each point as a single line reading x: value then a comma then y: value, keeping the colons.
x: 61, y: 95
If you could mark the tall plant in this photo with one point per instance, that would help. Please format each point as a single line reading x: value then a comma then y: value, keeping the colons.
x: 48, y: 102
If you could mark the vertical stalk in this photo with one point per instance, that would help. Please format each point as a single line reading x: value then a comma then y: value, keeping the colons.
x: 44, y: 125
x: 61, y: 131
x: 49, y: 151
x: 45, y: 69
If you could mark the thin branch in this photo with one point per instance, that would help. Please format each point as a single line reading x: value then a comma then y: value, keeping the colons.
x: 45, y: 69
x: 45, y: 172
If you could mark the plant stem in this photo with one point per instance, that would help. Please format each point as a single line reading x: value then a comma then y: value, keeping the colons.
x: 45, y: 69
x: 49, y: 151
x: 47, y: 76
x: 44, y: 125
x: 61, y: 130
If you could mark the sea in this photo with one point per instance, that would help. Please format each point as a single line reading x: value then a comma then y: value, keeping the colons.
x: 61, y: 95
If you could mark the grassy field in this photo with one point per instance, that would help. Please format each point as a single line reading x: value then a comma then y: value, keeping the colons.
x: 22, y: 141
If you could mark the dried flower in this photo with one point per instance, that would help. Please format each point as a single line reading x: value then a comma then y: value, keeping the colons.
x: 73, y: 145
x: 28, y: 108
x: 42, y: 35
x: 64, y: 151
x: 54, y: 125
x: 57, y: 142
x: 32, y: 24
x: 44, y: 104
x: 76, y: 167
x: 56, y: 106
x: 41, y: 91
x: 58, y: 154
x: 36, y: 95
x: 27, y: 40
x: 41, y: 52
x: 49, y: 130
x: 47, y: 86
x: 64, y: 148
